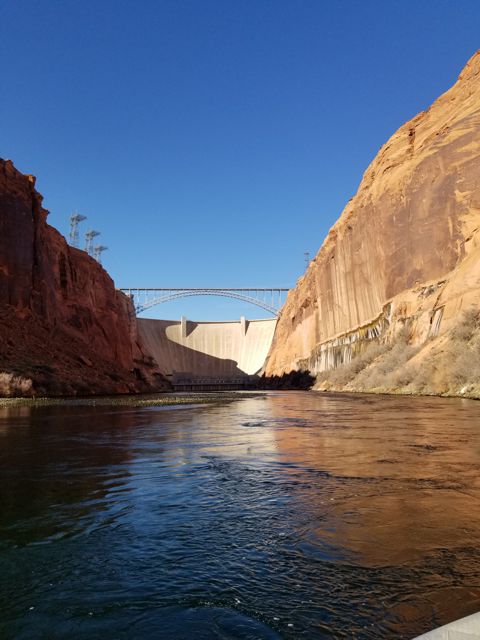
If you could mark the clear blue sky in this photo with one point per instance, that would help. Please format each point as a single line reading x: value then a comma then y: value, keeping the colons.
x: 213, y: 142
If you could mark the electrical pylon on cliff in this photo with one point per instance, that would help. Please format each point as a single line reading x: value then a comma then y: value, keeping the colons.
x: 75, y: 218
x: 97, y: 252
x: 89, y: 236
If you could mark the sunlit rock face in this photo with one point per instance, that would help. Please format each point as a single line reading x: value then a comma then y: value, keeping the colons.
x: 64, y: 328
x: 406, y: 246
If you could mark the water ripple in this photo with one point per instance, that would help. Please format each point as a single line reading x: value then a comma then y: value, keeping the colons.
x: 293, y: 515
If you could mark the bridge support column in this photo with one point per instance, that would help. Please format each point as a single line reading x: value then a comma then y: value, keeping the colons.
x: 183, y: 322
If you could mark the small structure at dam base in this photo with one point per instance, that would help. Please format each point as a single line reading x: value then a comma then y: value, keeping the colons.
x: 186, y: 381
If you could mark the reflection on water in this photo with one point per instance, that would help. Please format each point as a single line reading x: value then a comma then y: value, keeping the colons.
x: 290, y: 515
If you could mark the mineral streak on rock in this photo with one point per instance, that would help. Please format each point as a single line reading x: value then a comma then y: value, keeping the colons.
x: 64, y: 328
x: 406, y: 247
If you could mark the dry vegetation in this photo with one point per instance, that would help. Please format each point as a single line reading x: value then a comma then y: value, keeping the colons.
x: 448, y: 365
x: 455, y: 369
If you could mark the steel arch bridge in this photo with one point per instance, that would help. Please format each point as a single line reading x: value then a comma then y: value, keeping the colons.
x: 270, y: 300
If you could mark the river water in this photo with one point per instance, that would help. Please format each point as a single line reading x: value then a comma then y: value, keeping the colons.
x: 287, y: 515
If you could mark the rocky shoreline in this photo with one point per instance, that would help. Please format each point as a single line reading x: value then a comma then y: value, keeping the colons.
x: 133, y: 401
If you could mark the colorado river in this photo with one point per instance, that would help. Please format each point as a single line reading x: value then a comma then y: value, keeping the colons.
x: 288, y: 515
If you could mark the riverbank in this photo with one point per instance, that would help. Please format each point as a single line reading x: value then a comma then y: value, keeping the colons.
x: 445, y: 366
x: 129, y: 401
x: 467, y: 395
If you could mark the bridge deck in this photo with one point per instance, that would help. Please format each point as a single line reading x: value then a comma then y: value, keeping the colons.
x: 270, y: 299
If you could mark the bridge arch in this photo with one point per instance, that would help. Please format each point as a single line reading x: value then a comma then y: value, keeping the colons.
x: 271, y: 300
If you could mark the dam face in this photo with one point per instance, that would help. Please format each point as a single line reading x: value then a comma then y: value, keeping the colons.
x: 208, y: 354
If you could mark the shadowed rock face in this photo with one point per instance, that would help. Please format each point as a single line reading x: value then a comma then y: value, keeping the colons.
x: 406, y: 245
x: 64, y: 328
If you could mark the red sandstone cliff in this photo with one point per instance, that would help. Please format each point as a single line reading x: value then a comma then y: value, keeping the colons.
x: 64, y: 328
x: 406, y: 247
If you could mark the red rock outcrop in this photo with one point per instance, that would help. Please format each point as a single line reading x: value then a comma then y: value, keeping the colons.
x: 64, y: 328
x: 407, y: 245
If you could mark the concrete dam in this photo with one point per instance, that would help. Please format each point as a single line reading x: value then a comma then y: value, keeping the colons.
x: 208, y: 355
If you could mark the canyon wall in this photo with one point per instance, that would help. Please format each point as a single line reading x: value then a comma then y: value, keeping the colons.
x: 406, y: 249
x: 64, y: 328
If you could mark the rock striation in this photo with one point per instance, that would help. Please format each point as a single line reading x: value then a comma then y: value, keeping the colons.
x: 64, y: 328
x: 406, y: 249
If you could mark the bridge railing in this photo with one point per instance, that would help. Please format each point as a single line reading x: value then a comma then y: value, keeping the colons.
x: 269, y: 299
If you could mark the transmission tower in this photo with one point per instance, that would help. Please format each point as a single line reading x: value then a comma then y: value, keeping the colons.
x: 89, y: 236
x: 97, y: 252
x: 75, y: 218
x: 307, y: 257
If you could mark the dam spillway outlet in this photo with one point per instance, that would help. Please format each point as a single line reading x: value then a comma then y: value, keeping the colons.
x: 208, y: 355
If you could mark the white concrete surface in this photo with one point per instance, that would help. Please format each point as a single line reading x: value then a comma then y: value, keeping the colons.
x: 464, y: 629
x: 208, y: 348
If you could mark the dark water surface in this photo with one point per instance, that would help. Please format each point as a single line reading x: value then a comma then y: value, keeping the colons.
x: 290, y: 515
